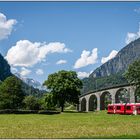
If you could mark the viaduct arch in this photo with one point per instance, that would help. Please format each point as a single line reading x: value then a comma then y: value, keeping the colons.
x: 98, y: 100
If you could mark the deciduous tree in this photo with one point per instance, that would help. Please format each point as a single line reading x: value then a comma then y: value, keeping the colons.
x: 65, y: 86
x: 11, y: 93
x: 31, y: 103
x: 133, y: 75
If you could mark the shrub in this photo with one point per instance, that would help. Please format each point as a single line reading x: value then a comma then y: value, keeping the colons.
x: 14, y: 111
x: 49, y: 112
x: 31, y: 103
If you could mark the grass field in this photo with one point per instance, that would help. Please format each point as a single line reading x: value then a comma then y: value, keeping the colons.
x: 70, y: 125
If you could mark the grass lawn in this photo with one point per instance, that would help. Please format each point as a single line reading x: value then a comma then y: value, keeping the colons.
x: 70, y: 125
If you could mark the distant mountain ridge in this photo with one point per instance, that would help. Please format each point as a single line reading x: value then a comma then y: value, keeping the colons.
x: 31, y: 82
x: 105, y: 75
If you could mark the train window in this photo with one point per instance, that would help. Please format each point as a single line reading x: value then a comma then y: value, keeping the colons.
x: 111, y: 107
x: 118, y: 107
x: 128, y: 107
x: 138, y: 108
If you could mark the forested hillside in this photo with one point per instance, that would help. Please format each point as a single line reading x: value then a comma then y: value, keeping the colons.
x: 111, y: 73
x: 4, y: 69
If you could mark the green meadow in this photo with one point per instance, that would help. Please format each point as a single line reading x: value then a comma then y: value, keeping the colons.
x: 70, y: 125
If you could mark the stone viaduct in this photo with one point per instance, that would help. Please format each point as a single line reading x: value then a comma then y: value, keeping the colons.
x: 96, y: 100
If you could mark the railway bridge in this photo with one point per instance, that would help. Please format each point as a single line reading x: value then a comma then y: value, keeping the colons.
x: 97, y: 100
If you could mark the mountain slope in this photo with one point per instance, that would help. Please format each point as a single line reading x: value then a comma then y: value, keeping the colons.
x: 119, y: 63
x: 111, y: 73
x: 5, y: 72
x: 4, y: 69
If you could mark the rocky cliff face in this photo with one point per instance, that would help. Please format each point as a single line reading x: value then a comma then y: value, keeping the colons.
x: 111, y: 73
x: 121, y: 62
x: 4, y: 69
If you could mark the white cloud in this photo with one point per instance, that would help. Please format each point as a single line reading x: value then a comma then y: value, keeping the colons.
x: 83, y: 74
x: 111, y: 55
x: 13, y: 70
x: 6, y: 26
x: 137, y: 10
x: 25, y: 53
x: 24, y: 71
x: 61, y: 62
x: 87, y: 58
x: 39, y: 72
x: 132, y: 36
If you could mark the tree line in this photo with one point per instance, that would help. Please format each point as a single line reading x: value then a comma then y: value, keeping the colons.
x: 63, y: 86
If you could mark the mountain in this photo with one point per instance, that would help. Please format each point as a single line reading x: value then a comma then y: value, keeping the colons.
x: 26, y: 83
x: 30, y: 86
x: 31, y: 82
x: 4, y: 69
x: 111, y: 73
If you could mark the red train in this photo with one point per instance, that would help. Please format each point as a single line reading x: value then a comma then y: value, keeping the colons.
x: 129, y: 108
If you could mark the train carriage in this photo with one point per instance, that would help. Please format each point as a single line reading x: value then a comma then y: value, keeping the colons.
x: 138, y: 108
x: 129, y: 108
x: 111, y: 109
x: 119, y: 108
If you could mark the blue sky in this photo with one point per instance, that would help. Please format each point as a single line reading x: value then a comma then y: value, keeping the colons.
x: 40, y: 38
